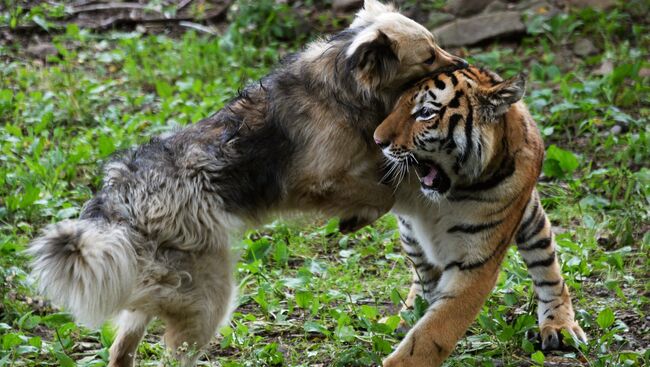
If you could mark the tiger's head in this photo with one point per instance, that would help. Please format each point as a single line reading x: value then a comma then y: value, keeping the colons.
x: 448, y: 127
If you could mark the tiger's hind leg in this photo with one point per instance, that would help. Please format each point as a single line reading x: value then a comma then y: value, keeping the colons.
x: 537, y: 247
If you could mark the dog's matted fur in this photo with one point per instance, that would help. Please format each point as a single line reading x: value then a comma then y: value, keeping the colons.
x: 154, y: 241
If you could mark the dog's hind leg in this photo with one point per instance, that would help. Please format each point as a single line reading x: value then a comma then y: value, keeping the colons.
x: 131, y: 328
x: 186, y: 334
x: 206, y: 304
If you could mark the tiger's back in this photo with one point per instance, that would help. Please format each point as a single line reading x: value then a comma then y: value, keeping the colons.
x: 469, y: 155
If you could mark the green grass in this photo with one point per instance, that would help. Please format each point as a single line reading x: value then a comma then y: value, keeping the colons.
x: 310, y: 296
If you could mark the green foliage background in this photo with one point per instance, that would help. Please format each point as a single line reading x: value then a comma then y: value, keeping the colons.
x: 309, y: 295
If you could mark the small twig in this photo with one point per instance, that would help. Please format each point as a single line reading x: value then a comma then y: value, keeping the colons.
x: 84, y: 3
x: 33, y: 27
x: 183, y: 4
x: 112, y: 6
x: 198, y: 27
x: 129, y: 20
x: 121, y: 19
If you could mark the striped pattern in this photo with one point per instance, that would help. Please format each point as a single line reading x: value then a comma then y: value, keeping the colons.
x: 425, y: 275
x: 537, y: 247
x: 490, y: 203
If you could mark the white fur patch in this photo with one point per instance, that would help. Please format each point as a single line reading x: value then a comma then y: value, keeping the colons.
x: 371, y: 10
x: 382, y: 18
x: 86, y: 266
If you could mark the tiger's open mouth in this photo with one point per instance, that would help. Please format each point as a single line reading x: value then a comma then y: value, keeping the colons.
x: 432, y: 177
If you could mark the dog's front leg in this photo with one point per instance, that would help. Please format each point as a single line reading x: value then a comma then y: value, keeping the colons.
x: 361, y: 203
x: 354, y: 194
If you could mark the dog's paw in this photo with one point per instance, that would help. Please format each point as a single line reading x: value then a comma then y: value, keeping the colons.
x: 351, y: 225
x: 365, y: 217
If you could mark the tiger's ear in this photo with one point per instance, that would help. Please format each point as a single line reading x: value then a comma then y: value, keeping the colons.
x: 496, y: 101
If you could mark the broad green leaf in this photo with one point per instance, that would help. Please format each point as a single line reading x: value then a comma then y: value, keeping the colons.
x: 393, y: 322
x: 420, y: 306
x: 538, y: 358
x: 35, y: 341
x: 281, y: 252
x: 259, y: 249
x: 381, y: 345
x: 395, y: 297
x: 559, y: 163
x: 605, y: 318
x: 106, y: 145
x: 527, y: 346
x: 163, y: 89
x: 107, y: 334
x: 67, y: 213
x: 11, y: 340
x: 344, y: 333
x: 314, y: 327
x: 303, y: 299
x: 64, y: 360
x: 41, y: 22
x: 56, y: 319
x: 369, y: 312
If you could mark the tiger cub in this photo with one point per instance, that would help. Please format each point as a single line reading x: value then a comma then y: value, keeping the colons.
x: 470, y: 155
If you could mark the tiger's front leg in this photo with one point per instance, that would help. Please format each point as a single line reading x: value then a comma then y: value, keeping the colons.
x: 425, y: 275
x: 537, y: 247
x: 459, y: 296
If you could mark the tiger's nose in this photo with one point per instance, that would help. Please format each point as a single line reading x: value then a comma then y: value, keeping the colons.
x: 382, y: 144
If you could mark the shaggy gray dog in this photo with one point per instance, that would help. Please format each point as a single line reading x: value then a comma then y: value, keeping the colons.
x: 154, y: 242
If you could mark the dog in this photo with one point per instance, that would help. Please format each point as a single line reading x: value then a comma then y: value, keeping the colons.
x: 154, y: 241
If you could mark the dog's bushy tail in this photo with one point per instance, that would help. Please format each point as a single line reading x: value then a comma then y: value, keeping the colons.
x: 87, y: 266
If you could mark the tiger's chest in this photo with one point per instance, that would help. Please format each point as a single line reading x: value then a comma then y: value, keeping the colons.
x: 440, y: 230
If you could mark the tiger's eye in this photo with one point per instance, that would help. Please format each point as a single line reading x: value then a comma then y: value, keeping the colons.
x: 430, y: 60
x: 425, y: 113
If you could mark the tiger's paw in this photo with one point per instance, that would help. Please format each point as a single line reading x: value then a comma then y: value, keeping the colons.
x: 410, y: 354
x: 551, y: 334
x: 410, y: 361
x: 394, y: 361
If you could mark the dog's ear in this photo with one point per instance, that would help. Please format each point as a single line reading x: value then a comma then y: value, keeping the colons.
x: 375, y: 8
x: 373, y: 60
x: 496, y: 100
x: 371, y: 10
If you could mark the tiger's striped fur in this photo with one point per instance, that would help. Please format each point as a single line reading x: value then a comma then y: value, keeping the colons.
x: 472, y: 154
